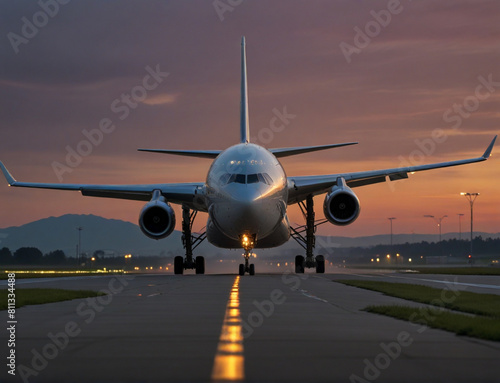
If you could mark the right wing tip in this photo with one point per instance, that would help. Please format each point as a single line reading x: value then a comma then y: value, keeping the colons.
x: 487, y: 153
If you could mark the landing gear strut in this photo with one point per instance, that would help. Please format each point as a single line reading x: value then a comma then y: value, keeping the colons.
x: 309, y: 241
x: 247, y: 243
x: 190, y: 242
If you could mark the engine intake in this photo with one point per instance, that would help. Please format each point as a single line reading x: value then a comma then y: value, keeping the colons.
x: 157, y: 218
x: 341, y: 206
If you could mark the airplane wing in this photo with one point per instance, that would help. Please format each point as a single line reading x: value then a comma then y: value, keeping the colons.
x: 278, y: 152
x: 300, y: 187
x: 187, y: 153
x: 180, y: 193
x: 285, y: 152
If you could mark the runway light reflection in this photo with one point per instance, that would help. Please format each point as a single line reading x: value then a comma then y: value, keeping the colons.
x: 229, y: 360
x: 99, y: 271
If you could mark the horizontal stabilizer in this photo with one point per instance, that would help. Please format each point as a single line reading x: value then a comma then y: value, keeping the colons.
x: 285, y: 152
x: 188, y: 153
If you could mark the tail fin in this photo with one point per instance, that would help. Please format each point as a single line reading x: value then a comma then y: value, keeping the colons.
x: 244, y: 127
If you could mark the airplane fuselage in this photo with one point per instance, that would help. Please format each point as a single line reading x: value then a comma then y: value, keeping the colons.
x: 246, y: 195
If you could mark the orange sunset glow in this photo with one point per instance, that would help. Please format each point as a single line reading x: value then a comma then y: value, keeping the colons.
x: 422, y: 87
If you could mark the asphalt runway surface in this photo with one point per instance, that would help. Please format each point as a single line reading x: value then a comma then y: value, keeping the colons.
x: 262, y: 328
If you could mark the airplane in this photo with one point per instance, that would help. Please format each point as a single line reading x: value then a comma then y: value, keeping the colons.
x: 246, y: 195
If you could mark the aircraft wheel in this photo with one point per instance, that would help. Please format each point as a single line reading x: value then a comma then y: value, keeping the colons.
x: 252, y: 269
x: 299, y: 264
x: 200, y: 265
x: 178, y: 265
x: 242, y: 269
x: 320, y: 264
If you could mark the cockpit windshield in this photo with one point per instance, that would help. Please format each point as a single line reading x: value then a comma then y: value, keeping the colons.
x: 227, y: 178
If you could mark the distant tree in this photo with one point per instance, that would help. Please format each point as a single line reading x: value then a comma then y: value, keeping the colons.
x: 28, y: 255
x: 55, y: 257
x: 98, y: 253
x: 5, y: 256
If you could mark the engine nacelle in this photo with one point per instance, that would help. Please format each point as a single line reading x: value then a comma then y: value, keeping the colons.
x: 341, y: 206
x: 157, y: 219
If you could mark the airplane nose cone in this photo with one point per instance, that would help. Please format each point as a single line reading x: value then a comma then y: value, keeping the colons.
x: 248, y: 213
x: 248, y: 197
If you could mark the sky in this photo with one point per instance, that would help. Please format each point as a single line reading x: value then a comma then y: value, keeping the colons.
x: 412, y: 81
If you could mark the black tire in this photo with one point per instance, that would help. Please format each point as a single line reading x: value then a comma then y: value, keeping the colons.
x: 320, y: 264
x: 252, y: 269
x: 178, y: 265
x: 299, y: 264
x: 200, y: 265
x: 242, y: 269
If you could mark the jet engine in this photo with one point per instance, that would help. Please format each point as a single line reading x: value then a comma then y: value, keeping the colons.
x: 157, y: 218
x: 341, y: 206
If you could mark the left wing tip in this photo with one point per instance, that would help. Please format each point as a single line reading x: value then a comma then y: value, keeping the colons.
x: 487, y: 153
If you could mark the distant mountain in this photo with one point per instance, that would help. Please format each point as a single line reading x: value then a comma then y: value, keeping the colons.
x: 98, y: 234
x: 120, y: 237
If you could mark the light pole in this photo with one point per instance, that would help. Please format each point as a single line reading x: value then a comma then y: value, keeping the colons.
x: 460, y: 215
x: 80, y: 228
x: 471, y: 197
x: 390, y: 220
x: 438, y: 221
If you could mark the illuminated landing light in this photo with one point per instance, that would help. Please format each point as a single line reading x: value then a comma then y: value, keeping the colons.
x: 229, y: 362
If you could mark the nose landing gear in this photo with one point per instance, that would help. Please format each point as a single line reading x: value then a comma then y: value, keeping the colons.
x: 247, y: 267
x: 247, y: 242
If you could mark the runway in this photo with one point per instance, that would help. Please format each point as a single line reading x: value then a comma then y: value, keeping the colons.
x: 276, y: 327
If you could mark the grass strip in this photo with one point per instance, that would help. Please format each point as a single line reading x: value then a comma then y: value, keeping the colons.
x: 465, y: 301
x: 459, y: 270
x: 25, y: 297
x: 479, y: 327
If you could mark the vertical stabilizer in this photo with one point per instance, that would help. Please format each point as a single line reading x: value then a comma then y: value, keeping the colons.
x: 244, y: 128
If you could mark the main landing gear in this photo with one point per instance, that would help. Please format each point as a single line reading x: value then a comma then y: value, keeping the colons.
x: 247, y: 242
x: 190, y: 242
x: 309, y: 241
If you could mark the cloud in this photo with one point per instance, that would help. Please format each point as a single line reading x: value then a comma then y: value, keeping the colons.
x: 161, y: 99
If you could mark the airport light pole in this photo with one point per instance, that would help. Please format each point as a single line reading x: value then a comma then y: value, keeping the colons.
x: 80, y: 228
x: 471, y: 197
x: 438, y: 221
x: 460, y: 215
x: 390, y: 220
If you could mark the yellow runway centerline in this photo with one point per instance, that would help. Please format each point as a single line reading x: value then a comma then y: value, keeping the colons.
x: 229, y: 362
